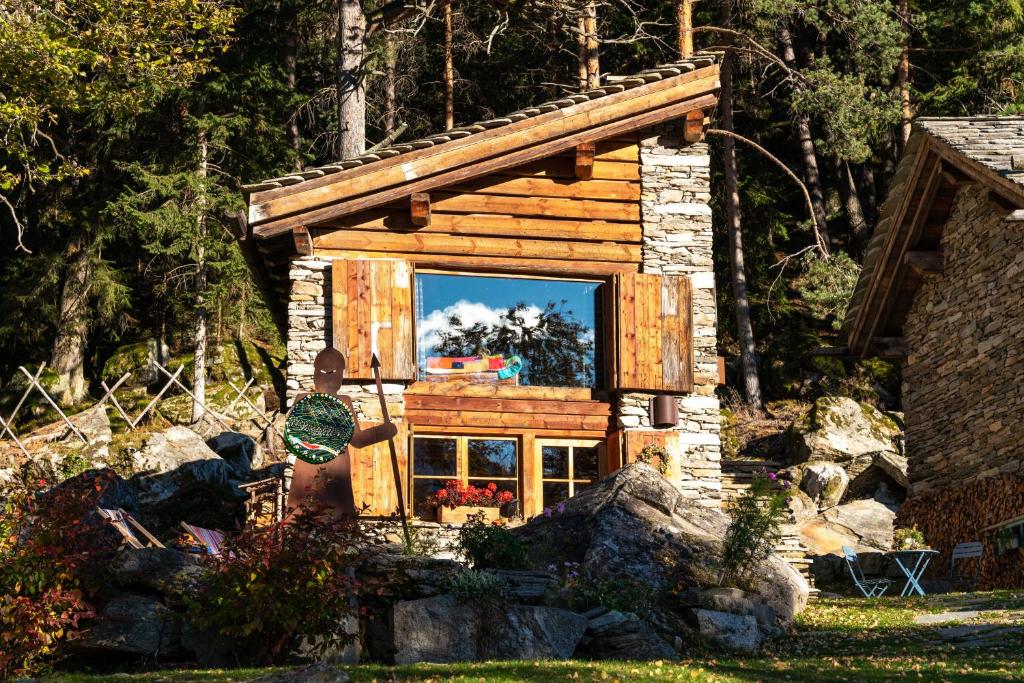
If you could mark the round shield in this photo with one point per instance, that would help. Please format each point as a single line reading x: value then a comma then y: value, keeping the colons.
x: 319, y: 428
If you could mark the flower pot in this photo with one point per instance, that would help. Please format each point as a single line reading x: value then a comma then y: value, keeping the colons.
x: 461, y: 514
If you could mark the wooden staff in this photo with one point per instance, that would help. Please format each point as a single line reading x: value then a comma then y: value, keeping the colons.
x: 375, y: 364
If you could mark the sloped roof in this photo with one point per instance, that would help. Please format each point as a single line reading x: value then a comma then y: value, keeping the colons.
x: 942, y: 154
x: 613, y: 84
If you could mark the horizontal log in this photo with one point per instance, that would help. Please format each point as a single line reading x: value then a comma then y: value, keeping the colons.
x: 507, y: 405
x: 440, y: 430
x: 563, y: 167
x: 473, y: 390
x: 469, y: 418
x: 548, y: 187
x: 436, y: 243
x: 493, y: 264
x: 488, y: 224
x: 537, y: 206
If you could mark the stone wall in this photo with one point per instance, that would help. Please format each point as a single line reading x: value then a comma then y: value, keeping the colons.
x: 677, y: 239
x: 963, y: 394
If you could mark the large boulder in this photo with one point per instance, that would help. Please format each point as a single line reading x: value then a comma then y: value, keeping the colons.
x: 140, y: 360
x: 612, y: 634
x: 636, y: 524
x: 840, y: 430
x: 163, y: 570
x: 733, y: 631
x: 173, y: 458
x: 825, y: 483
x: 57, y: 452
x: 444, y: 628
x: 239, y: 450
x: 863, y: 525
x: 132, y: 625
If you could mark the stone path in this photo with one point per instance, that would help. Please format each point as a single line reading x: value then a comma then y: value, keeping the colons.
x: 974, y: 627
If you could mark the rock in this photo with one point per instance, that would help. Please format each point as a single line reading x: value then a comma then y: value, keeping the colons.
x: 733, y: 631
x: 825, y: 483
x: 862, y: 525
x: 172, y: 458
x: 163, y: 570
x: 843, y: 431
x: 134, y: 625
x: 446, y: 629
x: 57, y: 453
x: 631, y: 522
x: 801, y: 507
x: 894, y: 465
x: 732, y: 600
x: 526, y: 586
x: 140, y: 360
x: 314, y: 673
x: 239, y: 450
x: 623, y: 635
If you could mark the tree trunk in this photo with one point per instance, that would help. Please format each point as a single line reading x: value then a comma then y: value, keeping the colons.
x: 581, y: 53
x: 744, y: 326
x: 809, y: 158
x: 903, y: 76
x: 449, y: 69
x: 199, y: 373
x: 593, y: 45
x: 867, y: 187
x: 68, y: 357
x: 390, y: 83
x: 351, y: 88
x: 854, y: 210
x: 291, y: 65
x: 684, y: 27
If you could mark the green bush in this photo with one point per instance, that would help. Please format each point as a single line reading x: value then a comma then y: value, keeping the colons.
x: 827, y: 285
x: 475, y: 585
x: 491, y: 546
x: 755, y: 528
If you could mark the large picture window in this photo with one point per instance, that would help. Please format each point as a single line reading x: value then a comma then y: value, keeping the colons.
x: 472, y: 460
x: 526, y: 331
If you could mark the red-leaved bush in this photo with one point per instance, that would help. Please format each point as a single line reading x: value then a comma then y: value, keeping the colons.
x: 455, y: 493
x: 271, y: 587
x: 53, y: 549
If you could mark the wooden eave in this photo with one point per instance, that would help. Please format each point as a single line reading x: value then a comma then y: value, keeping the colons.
x: 921, y: 201
x: 319, y: 200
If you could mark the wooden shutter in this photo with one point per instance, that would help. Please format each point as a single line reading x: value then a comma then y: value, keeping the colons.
x: 654, y: 332
x: 372, y: 304
x: 373, y: 481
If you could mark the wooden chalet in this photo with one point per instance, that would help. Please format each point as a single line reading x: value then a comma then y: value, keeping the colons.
x: 943, y: 288
x: 587, y: 216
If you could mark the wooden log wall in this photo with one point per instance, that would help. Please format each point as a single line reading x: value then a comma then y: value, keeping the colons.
x: 961, y: 513
x: 533, y: 218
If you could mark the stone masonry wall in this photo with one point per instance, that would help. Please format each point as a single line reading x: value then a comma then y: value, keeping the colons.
x: 963, y: 391
x: 677, y: 239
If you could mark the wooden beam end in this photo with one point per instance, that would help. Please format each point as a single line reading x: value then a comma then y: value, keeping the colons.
x: 419, y: 209
x: 694, y: 126
x: 303, y: 240
x: 585, y: 152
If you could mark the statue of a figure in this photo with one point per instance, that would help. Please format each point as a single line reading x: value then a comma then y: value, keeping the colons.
x: 330, y: 484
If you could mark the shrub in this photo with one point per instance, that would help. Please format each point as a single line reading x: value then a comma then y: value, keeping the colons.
x: 53, y: 550
x: 475, y: 585
x: 274, y: 586
x: 491, y: 546
x: 827, y: 285
x: 756, y: 526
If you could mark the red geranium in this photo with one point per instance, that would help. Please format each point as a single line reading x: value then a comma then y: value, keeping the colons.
x: 455, y: 494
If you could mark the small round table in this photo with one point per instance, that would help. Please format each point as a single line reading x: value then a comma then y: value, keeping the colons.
x: 913, y: 563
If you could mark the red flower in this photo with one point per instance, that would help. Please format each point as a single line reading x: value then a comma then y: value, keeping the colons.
x: 492, y: 486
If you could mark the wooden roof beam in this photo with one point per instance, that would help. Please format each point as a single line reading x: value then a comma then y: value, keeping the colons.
x: 303, y: 242
x: 924, y: 262
x: 694, y: 126
x: 584, y: 167
x: 419, y: 209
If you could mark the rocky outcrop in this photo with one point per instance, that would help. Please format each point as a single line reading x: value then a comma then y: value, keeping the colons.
x: 172, y: 458
x: 139, y: 360
x: 240, y: 451
x: 612, y: 634
x: 862, y: 525
x: 446, y: 629
x: 132, y: 625
x: 635, y: 524
x: 732, y: 631
x: 843, y: 431
x: 825, y: 483
x: 162, y: 570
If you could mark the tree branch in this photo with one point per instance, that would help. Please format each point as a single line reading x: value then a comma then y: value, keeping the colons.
x: 393, y: 12
x: 17, y: 224
x: 803, y: 188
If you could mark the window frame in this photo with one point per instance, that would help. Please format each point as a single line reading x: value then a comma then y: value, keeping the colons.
x: 602, y: 451
x: 462, y: 462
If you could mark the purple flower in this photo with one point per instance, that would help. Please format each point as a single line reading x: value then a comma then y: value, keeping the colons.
x: 772, y: 476
x: 547, y: 512
x: 561, y: 508
x: 552, y: 568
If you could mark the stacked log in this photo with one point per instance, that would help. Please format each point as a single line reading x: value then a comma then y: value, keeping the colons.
x: 971, y: 512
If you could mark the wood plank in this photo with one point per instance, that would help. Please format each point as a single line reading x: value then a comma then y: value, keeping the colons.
x: 492, y: 264
x: 404, y: 322
x: 441, y: 430
x: 477, y: 246
x: 486, y: 224
x: 671, y: 372
x: 618, y: 150
x: 471, y: 418
x: 552, y: 207
x: 507, y: 405
x: 359, y: 365
x: 339, y: 306
x: 269, y: 225
x: 562, y: 167
x: 531, y: 486
x: 421, y: 163
x: 503, y: 391
x: 498, y: 184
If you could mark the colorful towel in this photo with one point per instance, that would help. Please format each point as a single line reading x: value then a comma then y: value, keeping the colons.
x: 448, y: 365
x: 208, y: 537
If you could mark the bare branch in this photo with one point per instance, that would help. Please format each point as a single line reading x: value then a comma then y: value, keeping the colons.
x: 17, y: 224
x: 803, y: 188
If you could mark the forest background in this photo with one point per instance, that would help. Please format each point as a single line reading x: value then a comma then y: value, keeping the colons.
x: 128, y: 127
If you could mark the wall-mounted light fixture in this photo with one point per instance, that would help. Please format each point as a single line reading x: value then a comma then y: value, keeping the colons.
x: 664, y: 411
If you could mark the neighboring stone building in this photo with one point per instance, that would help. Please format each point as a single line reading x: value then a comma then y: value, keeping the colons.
x: 593, y: 211
x: 943, y: 287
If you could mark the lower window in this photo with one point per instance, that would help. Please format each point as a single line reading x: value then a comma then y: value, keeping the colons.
x: 568, y: 467
x: 478, y: 461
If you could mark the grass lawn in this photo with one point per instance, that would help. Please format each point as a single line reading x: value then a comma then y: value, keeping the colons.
x: 835, y: 640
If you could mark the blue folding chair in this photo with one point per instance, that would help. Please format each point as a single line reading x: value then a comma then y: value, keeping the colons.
x: 871, y: 588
